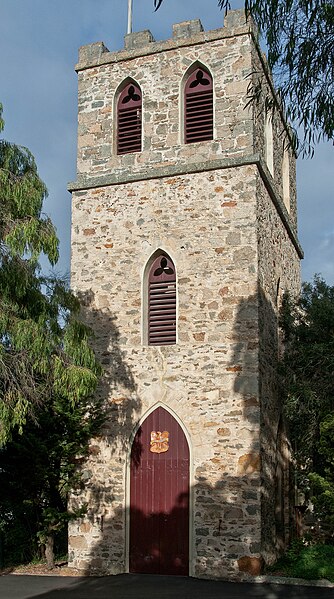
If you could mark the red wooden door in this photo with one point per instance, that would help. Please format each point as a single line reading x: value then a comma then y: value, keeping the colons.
x: 159, y: 497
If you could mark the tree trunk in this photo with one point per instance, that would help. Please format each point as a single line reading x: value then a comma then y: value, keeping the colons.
x: 50, y: 558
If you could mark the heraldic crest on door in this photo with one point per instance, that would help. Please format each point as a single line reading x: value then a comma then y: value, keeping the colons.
x: 159, y: 441
x: 159, y: 497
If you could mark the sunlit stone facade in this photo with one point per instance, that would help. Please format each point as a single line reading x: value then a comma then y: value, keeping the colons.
x: 217, y: 210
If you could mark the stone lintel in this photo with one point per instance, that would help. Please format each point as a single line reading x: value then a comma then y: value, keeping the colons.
x: 160, y: 172
x: 138, y: 39
x: 187, y: 28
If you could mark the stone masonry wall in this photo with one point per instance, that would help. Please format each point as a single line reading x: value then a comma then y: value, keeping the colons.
x: 281, y: 132
x: 160, y: 68
x: 215, y: 209
x: 278, y: 272
x: 209, y: 378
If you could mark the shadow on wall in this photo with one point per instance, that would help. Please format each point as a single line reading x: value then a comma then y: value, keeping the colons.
x: 100, y: 487
x: 117, y: 387
x: 257, y: 379
x: 235, y: 517
x: 278, y: 520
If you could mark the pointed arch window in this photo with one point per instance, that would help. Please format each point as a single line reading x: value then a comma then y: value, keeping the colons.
x: 162, y: 302
x: 198, y: 106
x: 129, y: 119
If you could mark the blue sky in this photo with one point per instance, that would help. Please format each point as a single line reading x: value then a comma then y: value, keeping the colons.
x: 39, y: 41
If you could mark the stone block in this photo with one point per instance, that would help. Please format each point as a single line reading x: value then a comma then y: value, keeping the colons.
x: 91, y: 54
x: 140, y: 39
x: 250, y: 565
x: 77, y: 542
x: 187, y: 28
x: 249, y: 463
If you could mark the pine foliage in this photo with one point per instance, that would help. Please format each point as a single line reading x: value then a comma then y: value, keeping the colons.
x: 44, y: 350
x: 48, y: 371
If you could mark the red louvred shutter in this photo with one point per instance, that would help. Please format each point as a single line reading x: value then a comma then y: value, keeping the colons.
x: 129, y: 120
x: 198, y: 110
x: 162, y: 302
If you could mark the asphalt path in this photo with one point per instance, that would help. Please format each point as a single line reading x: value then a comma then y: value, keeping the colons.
x: 132, y: 586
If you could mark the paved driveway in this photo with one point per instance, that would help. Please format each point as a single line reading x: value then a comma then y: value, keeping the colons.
x: 132, y: 586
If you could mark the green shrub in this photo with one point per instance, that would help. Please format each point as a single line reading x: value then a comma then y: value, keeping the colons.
x: 308, y: 562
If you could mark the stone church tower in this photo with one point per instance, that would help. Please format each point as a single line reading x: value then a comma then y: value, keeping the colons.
x: 183, y: 241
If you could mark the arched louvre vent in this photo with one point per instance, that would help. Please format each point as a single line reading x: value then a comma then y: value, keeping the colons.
x: 162, y: 302
x: 129, y: 120
x: 198, y: 108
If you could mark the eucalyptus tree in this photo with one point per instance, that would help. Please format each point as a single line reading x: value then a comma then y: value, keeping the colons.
x: 308, y: 375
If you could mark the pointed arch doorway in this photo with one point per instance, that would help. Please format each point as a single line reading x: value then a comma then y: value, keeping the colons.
x: 159, y: 497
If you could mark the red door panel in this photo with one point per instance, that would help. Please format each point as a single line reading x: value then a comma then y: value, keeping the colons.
x: 159, y: 499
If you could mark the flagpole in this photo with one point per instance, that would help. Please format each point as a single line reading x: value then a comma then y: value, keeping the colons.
x: 129, y: 16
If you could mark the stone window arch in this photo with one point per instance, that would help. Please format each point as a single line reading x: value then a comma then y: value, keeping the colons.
x: 129, y: 118
x: 198, y: 105
x: 160, y: 301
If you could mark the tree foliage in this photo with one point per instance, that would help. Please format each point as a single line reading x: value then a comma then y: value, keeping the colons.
x: 48, y: 371
x: 299, y: 37
x: 308, y: 368
x: 44, y: 349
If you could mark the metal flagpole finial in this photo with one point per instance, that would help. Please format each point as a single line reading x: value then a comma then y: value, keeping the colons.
x: 129, y: 16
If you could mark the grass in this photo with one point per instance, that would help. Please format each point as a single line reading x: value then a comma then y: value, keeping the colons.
x: 309, y: 562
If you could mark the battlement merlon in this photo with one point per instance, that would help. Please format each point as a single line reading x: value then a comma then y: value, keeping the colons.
x: 186, y: 33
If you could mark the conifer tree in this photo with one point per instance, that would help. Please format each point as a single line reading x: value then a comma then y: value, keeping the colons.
x: 48, y: 372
